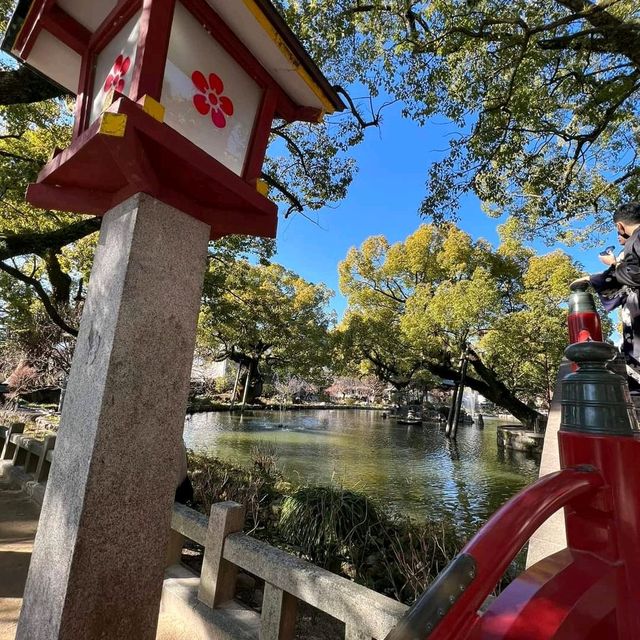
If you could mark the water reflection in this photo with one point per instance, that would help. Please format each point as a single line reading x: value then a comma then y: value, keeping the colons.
x: 414, y: 470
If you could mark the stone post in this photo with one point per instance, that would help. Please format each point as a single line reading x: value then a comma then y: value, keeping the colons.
x: 98, y: 561
x: 42, y: 470
x: 279, y: 610
x: 9, y: 448
x: 218, y: 576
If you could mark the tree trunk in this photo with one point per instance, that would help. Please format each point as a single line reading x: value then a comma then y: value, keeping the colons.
x: 519, y: 410
x: 491, y: 388
x: 234, y: 395
x: 247, y: 382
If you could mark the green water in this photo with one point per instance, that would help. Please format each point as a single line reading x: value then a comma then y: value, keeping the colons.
x: 413, y: 470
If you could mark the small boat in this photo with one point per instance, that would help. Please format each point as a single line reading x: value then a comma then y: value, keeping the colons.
x: 410, y: 418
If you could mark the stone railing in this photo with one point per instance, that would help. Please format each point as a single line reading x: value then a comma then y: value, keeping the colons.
x: 288, y: 580
x: 33, y: 455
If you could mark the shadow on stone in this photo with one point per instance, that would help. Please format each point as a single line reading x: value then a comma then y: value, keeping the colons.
x: 14, y: 566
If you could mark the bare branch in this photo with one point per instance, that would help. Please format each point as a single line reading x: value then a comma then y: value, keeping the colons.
x: 296, y: 205
x: 354, y: 109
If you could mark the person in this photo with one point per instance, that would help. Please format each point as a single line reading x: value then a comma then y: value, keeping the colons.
x: 619, y: 286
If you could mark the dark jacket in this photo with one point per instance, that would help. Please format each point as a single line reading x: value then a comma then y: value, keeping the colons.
x: 627, y: 271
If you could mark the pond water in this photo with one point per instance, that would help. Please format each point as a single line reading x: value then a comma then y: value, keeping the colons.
x: 412, y: 470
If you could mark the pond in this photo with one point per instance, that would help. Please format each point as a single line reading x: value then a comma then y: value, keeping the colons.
x: 412, y: 470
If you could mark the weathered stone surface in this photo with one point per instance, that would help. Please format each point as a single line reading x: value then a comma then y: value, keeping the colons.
x: 279, y: 608
x: 218, y: 577
x: 551, y: 536
x: 360, y: 608
x: 97, y: 565
x: 232, y: 621
x: 518, y: 439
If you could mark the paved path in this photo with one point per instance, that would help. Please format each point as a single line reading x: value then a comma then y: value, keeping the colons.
x: 18, y: 523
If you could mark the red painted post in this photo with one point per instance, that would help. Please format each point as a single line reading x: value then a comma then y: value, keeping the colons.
x: 583, y: 320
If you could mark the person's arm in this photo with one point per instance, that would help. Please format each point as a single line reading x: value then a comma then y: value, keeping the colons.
x: 603, y: 281
x: 627, y: 271
x: 610, y: 292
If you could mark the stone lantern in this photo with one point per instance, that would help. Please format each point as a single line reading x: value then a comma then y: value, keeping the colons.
x: 175, y: 103
x: 175, y: 98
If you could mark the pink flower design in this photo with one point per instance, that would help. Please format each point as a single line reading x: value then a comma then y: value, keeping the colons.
x: 115, y: 79
x: 210, y: 99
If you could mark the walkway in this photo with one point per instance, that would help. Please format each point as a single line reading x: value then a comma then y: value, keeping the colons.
x: 18, y: 524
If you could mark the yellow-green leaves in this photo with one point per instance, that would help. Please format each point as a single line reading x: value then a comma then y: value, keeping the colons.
x: 262, y: 311
x: 412, y: 306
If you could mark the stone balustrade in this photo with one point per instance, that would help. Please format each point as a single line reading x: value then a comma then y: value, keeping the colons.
x: 29, y: 453
x: 288, y: 579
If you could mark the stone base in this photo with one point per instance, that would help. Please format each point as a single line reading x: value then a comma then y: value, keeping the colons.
x: 231, y: 621
x: 16, y: 478
x: 518, y: 439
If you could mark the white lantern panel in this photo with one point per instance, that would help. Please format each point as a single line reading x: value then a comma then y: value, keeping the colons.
x: 114, y: 66
x: 89, y: 14
x: 249, y: 24
x: 55, y: 60
x: 208, y: 96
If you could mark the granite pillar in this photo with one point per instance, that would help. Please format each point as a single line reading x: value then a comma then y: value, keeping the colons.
x: 98, y: 562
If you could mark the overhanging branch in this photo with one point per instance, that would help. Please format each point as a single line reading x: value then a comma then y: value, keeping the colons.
x: 35, y: 284
x: 20, y: 244
x: 23, y: 86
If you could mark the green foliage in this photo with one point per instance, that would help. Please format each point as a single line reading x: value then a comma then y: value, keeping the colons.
x: 253, y: 312
x: 339, y: 529
x: 325, y: 522
x: 544, y: 96
x: 413, y: 305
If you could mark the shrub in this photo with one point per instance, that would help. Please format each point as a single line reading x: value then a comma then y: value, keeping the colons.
x: 327, y: 523
x: 339, y: 529
x: 216, y: 481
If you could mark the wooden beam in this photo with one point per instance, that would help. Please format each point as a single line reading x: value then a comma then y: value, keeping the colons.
x: 67, y: 29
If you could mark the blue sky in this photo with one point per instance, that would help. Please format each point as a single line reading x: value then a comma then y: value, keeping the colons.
x: 384, y: 200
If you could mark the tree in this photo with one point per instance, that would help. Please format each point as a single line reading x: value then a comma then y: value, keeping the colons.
x: 29, y: 341
x: 265, y: 314
x: 415, y: 306
x: 544, y: 96
x: 289, y: 388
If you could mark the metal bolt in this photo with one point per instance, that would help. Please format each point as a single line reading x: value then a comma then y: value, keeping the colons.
x: 461, y: 588
x: 452, y: 599
x: 441, y: 612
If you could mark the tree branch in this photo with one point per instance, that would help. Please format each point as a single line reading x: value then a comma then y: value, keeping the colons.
x: 624, y: 37
x: 24, y: 86
x: 354, y: 110
x: 53, y: 313
x: 21, y: 244
x: 296, y: 204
